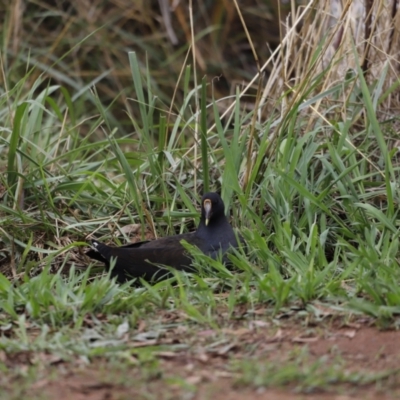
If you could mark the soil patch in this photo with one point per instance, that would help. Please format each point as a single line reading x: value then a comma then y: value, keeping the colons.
x: 203, y: 371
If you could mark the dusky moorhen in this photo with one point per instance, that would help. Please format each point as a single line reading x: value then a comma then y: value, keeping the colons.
x: 213, y: 235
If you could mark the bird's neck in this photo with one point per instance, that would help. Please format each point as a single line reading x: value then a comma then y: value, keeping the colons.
x: 213, y: 228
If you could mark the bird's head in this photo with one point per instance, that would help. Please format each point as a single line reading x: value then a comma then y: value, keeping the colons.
x: 212, y: 207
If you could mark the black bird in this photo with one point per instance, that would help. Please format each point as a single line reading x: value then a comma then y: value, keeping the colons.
x: 213, y: 236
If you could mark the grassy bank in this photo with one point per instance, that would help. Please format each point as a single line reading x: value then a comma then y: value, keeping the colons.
x: 305, y: 158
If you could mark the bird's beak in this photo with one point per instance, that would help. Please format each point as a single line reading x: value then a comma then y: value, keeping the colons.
x: 207, y: 210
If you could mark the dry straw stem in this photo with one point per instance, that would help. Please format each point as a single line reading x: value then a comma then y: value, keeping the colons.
x: 258, y: 97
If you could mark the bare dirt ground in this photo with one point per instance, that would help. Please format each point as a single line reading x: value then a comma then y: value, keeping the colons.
x: 205, y: 368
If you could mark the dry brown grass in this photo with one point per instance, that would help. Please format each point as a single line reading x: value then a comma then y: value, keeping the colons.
x: 93, y: 38
x: 342, y: 32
